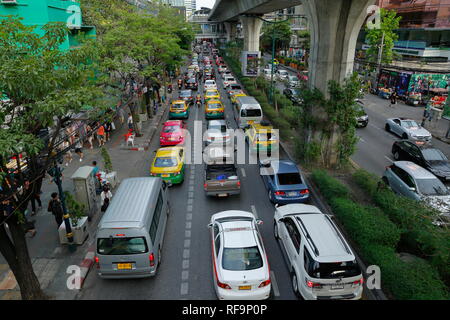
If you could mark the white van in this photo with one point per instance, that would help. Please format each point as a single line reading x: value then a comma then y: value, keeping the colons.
x: 248, y: 111
x: 130, y: 234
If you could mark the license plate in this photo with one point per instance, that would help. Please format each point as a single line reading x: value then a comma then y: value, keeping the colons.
x: 292, y: 194
x: 124, y: 266
x: 165, y: 175
x: 337, y: 287
x: 245, y: 287
x: 222, y: 195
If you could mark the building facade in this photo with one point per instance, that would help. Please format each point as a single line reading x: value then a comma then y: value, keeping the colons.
x: 207, y: 30
x: 40, y: 12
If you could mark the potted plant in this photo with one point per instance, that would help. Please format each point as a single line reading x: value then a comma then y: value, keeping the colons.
x: 78, y: 221
x: 111, y: 175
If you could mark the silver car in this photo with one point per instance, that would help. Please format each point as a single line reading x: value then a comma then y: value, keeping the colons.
x: 217, y: 132
x: 412, y: 181
x: 407, y: 129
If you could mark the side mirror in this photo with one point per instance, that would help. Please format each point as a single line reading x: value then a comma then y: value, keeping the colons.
x: 259, y: 221
x: 412, y: 189
x: 210, y: 225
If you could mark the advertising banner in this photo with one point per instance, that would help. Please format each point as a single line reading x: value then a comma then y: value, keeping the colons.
x: 250, y: 63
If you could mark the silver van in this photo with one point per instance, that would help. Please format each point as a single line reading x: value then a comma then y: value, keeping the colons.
x: 248, y: 111
x: 130, y: 234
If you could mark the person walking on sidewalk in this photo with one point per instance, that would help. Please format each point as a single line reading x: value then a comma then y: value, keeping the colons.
x: 101, y: 135
x: 79, y: 147
x: 68, y: 155
x: 130, y: 121
x: 393, y: 99
x: 55, y: 207
x: 90, y: 136
x: 105, y: 196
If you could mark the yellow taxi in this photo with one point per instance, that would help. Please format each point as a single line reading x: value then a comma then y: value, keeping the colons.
x: 178, y: 110
x: 212, y: 94
x: 169, y: 165
x: 262, y: 136
x: 235, y: 96
x: 214, y: 109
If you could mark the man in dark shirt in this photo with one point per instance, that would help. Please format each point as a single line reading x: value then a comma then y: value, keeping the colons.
x: 55, y: 207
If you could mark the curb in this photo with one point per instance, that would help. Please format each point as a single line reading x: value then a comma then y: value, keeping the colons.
x: 86, y: 265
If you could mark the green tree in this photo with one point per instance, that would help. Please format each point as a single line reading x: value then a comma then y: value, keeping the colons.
x: 389, y: 23
x: 45, y: 87
x: 282, y: 32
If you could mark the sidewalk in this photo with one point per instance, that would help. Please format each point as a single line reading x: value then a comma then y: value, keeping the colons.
x: 50, y: 259
x: 438, y: 129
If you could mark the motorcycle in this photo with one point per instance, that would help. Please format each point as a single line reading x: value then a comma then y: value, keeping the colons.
x: 169, y: 89
x: 179, y: 85
x: 199, y: 103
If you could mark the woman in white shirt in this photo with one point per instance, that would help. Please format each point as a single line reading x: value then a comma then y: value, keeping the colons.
x: 105, y: 196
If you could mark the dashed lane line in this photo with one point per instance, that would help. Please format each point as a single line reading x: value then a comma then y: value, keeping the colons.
x: 273, y: 280
x: 254, y: 211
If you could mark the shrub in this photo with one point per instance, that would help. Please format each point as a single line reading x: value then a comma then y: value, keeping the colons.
x: 406, y: 281
x: 329, y: 187
x: 291, y: 114
x: 365, y: 225
x: 283, y: 126
x: 366, y: 180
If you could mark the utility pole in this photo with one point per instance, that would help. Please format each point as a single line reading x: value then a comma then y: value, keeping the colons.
x: 380, y: 55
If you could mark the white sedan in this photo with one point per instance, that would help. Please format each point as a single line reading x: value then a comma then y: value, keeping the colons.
x: 240, y: 265
x: 408, y: 129
x: 210, y: 84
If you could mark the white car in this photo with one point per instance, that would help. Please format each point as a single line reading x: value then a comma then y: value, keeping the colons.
x: 222, y: 68
x: 210, y: 84
x: 240, y: 265
x: 268, y: 74
x: 217, y: 132
x: 321, y: 262
x: 293, y: 81
x: 282, y: 74
x: 228, y: 81
x: 407, y: 129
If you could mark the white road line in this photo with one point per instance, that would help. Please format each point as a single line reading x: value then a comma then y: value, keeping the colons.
x: 254, y: 211
x: 185, y: 264
x: 184, y: 288
x: 362, y: 139
x: 185, y: 275
x: 189, y: 208
x: 188, y: 225
x: 187, y: 233
x: 186, y: 254
x: 243, y: 172
x: 389, y: 159
x: 189, y: 216
x: 273, y: 280
x: 187, y: 243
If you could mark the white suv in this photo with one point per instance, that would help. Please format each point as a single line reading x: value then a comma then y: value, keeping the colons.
x: 321, y: 263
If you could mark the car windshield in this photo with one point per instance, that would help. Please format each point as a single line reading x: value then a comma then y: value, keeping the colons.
x: 162, y: 162
x: 192, y: 80
x: 295, y: 92
x: 121, y: 246
x: 241, y: 259
x: 432, y: 187
x: 409, y: 124
x: 220, y: 127
x: 335, y: 270
x: 293, y: 78
x: 250, y: 113
x: 171, y: 129
x: 212, y: 93
x: 235, y: 87
x: 185, y: 93
x: 209, y: 82
x: 433, y: 155
x: 282, y: 72
x: 214, y: 106
x: 178, y: 106
x: 289, y: 178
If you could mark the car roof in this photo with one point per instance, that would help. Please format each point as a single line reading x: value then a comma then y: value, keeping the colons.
x: 415, y: 170
x: 178, y: 102
x: 173, y: 123
x: 216, y: 122
x: 238, y: 234
x: 214, y: 101
x: 167, y: 151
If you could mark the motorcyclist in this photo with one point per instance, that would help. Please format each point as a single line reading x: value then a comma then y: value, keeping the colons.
x: 198, y: 100
x: 169, y: 88
x: 180, y: 83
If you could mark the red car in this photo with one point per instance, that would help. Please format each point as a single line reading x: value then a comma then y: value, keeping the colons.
x: 172, y: 133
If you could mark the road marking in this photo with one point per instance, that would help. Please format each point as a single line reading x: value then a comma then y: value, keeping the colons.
x: 186, y: 253
x: 190, y: 201
x: 191, y: 188
x: 187, y: 233
x: 184, y: 288
x: 273, y: 280
x: 254, y: 211
x: 389, y: 159
x: 191, y: 194
x: 185, y: 264
x: 362, y: 139
x: 189, y: 216
x: 185, y: 275
x: 188, y: 225
x: 243, y: 172
x: 187, y: 243
x: 189, y: 208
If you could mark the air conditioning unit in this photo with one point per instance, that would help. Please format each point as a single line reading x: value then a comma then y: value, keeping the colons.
x: 9, y: 1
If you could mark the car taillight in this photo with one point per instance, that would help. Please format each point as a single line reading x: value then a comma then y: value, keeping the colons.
x: 238, y: 183
x: 358, y: 282
x: 97, y: 262
x: 306, y: 191
x: 151, y: 259
x: 205, y: 185
x: 280, y: 193
x: 264, y: 283
x: 311, y: 284
x: 223, y: 285
x: 388, y: 167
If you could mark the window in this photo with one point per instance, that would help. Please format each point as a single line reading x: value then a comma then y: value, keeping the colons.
x: 333, y: 270
x: 166, y: 162
x: 241, y: 259
x: 432, y: 187
x: 121, y: 246
x: 289, y: 178
x: 293, y: 234
x: 433, y: 155
x: 216, y: 239
x: 156, y: 216
x: 250, y: 113
x: 405, y: 177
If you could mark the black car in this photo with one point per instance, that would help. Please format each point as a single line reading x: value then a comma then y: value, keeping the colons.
x: 187, y: 96
x: 192, y: 84
x: 293, y: 95
x: 425, y: 156
x: 362, y: 119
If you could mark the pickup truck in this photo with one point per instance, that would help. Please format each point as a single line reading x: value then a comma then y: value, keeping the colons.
x: 221, y: 174
x: 221, y: 180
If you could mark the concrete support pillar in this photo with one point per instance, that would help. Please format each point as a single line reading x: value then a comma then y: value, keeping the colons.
x: 335, y: 25
x: 251, y: 27
x: 231, y: 29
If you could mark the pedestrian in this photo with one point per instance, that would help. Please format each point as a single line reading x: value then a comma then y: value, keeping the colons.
x: 55, y: 207
x: 65, y: 146
x: 393, y: 98
x: 90, y: 136
x: 101, y: 135
x: 105, y: 197
x: 96, y: 169
x: 130, y: 121
x: 108, y: 129
x: 35, y: 197
x: 79, y: 147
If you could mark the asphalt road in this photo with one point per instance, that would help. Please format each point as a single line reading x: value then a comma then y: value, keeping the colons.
x: 186, y: 269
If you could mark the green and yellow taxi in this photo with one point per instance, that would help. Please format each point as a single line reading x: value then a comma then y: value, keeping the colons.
x: 212, y: 94
x: 179, y: 110
x: 169, y: 165
x: 214, y: 109
x: 262, y: 137
x: 235, y: 96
